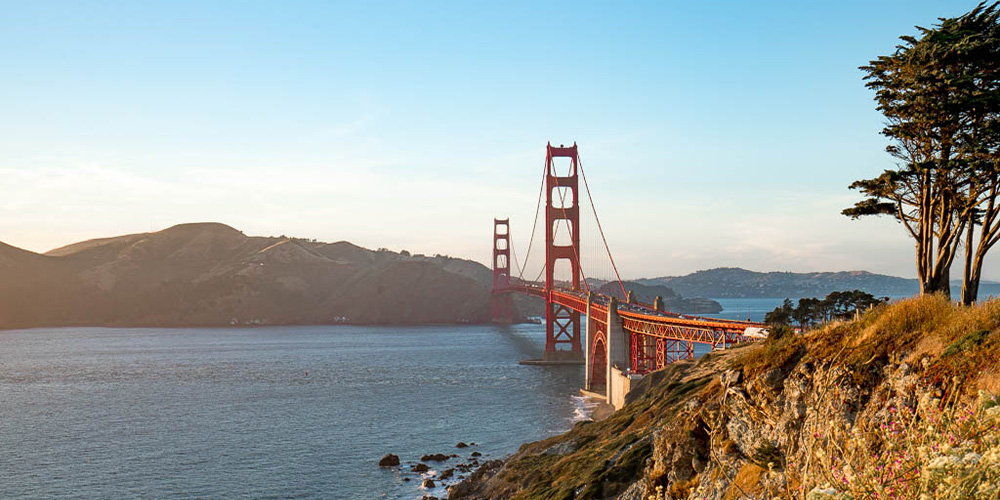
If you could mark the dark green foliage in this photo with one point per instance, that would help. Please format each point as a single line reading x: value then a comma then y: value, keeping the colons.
x: 940, y: 94
x: 781, y: 315
x: 810, y: 311
x: 778, y: 332
x: 967, y: 343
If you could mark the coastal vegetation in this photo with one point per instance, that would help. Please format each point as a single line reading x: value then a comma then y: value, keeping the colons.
x: 940, y: 94
x: 811, y: 311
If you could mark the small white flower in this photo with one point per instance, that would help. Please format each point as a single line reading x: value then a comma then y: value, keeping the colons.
x: 993, y: 413
x: 943, y: 462
x: 825, y: 492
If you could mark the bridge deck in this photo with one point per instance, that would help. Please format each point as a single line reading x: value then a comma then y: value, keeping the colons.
x: 643, y: 319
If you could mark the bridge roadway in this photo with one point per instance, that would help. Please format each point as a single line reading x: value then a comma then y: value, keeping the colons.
x: 625, y: 340
x: 644, y: 319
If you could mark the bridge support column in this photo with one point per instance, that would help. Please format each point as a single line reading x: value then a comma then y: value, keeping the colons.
x: 588, y: 347
x: 595, y: 352
x: 618, y: 342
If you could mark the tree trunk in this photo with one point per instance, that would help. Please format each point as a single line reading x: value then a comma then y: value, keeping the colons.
x: 969, y: 289
x: 973, y: 289
x: 940, y: 282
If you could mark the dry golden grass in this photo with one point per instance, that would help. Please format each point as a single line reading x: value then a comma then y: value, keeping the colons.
x: 955, y: 349
x: 746, y: 482
x: 959, y: 342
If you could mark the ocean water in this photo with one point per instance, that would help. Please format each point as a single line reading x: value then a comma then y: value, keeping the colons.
x: 283, y: 412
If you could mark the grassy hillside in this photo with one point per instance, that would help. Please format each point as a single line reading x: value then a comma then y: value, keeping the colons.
x: 211, y: 274
x: 899, y: 403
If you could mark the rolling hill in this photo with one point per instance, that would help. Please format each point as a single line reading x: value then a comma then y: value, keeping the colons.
x: 729, y: 282
x: 209, y: 274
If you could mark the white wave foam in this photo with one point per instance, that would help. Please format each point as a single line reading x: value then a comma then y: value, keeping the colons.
x: 584, y: 407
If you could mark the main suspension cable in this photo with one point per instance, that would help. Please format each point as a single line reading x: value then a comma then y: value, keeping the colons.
x: 513, y: 254
x: 534, y: 225
x: 601, y: 229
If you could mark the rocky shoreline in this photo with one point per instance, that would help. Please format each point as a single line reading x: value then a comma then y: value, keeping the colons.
x: 442, y: 475
x: 436, y: 473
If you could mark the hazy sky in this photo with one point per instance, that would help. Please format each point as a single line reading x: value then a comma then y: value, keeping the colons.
x: 713, y: 133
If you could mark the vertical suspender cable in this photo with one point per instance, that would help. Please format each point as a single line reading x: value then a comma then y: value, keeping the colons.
x: 603, y: 238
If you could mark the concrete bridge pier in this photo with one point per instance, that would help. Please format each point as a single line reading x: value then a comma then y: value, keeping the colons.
x: 618, y: 355
x: 589, y: 333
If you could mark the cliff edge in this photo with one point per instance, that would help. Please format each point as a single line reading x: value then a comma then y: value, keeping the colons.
x: 897, y: 404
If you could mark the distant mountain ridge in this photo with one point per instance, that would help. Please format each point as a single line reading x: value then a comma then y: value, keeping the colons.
x: 732, y: 282
x: 672, y: 301
x: 210, y: 274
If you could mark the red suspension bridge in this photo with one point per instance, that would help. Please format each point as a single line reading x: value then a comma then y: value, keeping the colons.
x: 623, y: 334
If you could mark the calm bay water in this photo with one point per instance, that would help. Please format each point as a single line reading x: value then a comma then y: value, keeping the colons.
x: 284, y: 412
x: 746, y: 309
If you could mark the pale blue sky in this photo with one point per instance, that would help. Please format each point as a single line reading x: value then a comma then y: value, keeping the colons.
x: 713, y: 133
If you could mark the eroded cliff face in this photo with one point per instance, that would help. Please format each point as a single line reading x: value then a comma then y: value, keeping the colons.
x: 779, y: 419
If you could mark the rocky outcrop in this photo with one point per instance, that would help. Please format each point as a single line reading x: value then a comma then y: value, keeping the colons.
x: 389, y: 460
x: 763, y: 421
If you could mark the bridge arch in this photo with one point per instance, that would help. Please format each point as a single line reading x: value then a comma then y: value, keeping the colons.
x: 599, y: 360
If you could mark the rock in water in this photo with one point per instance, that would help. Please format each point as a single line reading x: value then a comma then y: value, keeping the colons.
x: 461, y: 445
x: 476, y: 454
x: 389, y: 460
x: 447, y: 474
x: 428, y: 483
x: 437, y: 457
x: 420, y: 468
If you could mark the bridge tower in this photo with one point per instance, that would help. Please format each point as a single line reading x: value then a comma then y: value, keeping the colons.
x: 562, y: 207
x: 502, y: 307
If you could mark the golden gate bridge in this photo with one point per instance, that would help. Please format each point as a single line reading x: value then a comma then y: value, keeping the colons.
x: 621, y: 334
